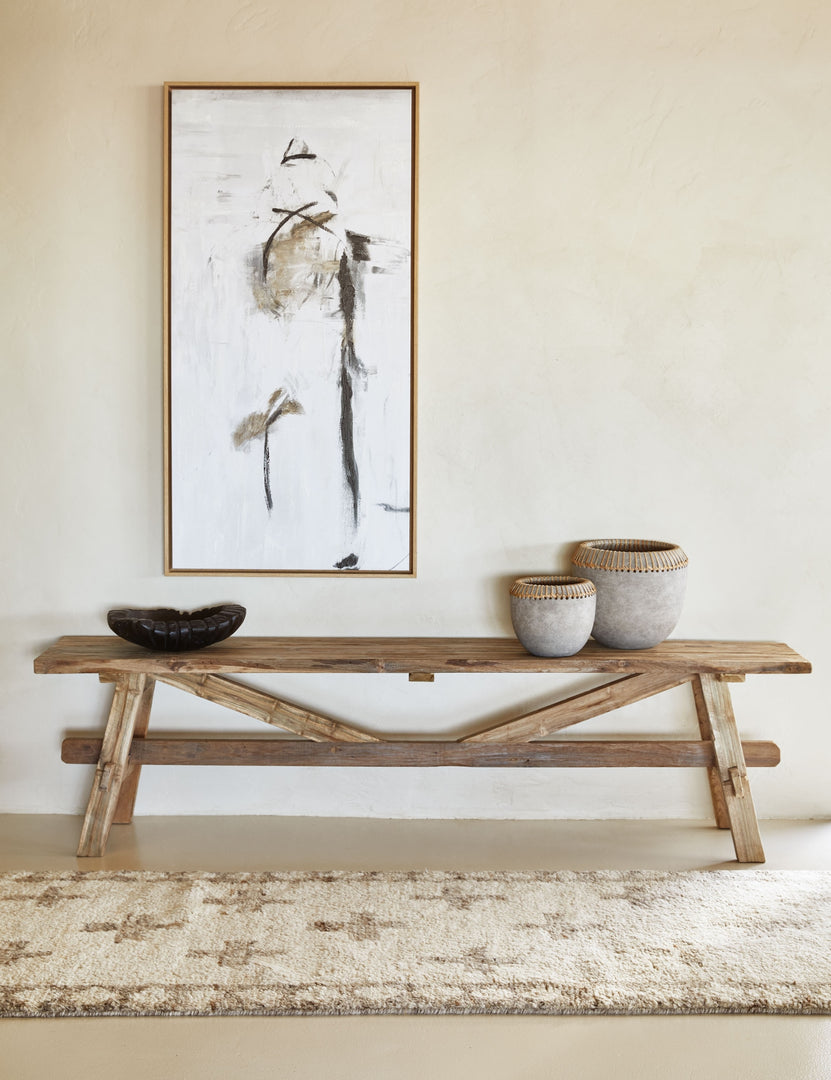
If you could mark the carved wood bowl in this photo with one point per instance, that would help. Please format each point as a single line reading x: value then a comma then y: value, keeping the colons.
x: 168, y: 630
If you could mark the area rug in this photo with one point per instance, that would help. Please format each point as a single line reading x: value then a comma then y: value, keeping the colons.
x: 134, y: 943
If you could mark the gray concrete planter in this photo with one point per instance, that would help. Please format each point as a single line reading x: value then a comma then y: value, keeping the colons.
x: 553, y: 616
x: 640, y: 589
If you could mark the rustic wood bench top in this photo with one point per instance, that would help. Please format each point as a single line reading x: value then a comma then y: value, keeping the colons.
x: 709, y: 666
x: 74, y: 655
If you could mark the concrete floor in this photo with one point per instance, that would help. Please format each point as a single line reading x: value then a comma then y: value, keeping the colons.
x: 406, y: 1048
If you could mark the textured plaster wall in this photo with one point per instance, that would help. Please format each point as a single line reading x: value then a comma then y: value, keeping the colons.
x: 624, y: 272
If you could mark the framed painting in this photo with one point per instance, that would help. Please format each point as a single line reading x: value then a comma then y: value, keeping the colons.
x: 290, y: 233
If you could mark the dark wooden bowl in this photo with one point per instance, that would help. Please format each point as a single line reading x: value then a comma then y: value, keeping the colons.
x: 167, y: 630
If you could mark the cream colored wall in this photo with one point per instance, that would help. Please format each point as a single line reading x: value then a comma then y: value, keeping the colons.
x: 624, y: 330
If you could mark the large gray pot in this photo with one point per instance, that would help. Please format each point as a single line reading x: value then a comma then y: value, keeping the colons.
x: 552, y: 615
x: 640, y: 589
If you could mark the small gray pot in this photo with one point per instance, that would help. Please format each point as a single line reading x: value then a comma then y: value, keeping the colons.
x: 640, y: 589
x: 553, y: 616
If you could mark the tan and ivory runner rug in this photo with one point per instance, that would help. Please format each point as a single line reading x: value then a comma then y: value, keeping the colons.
x: 135, y: 943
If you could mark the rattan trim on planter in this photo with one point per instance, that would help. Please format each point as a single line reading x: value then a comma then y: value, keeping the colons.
x: 553, y: 587
x: 639, y: 556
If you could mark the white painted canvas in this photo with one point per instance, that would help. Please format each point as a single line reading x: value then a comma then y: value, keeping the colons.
x: 290, y: 323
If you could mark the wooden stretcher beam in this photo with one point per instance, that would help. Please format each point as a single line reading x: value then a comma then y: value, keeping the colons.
x: 652, y: 753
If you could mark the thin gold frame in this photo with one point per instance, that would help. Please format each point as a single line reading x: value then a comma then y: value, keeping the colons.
x: 169, y: 568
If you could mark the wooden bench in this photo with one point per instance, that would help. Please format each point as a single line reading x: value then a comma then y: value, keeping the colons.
x: 708, y: 666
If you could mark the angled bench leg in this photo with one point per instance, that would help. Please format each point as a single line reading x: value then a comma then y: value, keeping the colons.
x: 713, y: 774
x: 734, y: 801
x: 129, y: 786
x: 129, y: 701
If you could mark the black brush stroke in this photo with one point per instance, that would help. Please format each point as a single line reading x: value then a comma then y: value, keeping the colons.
x: 359, y: 246
x: 307, y: 156
x: 347, y: 298
x: 300, y: 213
x: 347, y: 433
x: 348, y: 364
x: 269, y: 502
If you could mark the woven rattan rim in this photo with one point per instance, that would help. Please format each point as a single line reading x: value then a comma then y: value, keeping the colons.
x: 553, y: 587
x: 637, y: 556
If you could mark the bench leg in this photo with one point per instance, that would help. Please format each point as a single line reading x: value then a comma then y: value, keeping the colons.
x: 128, y: 699
x: 734, y: 801
x: 129, y: 785
x: 713, y: 774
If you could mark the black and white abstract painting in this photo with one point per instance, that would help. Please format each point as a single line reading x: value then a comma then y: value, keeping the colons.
x: 290, y: 232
